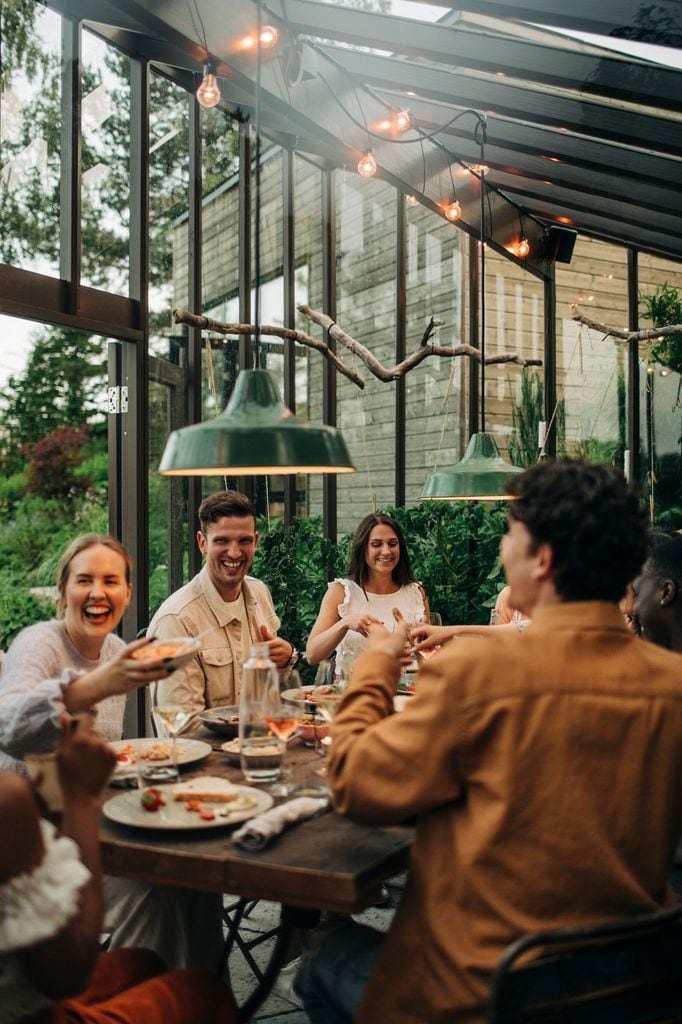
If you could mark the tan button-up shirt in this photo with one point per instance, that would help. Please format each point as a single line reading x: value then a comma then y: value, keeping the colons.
x: 546, y: 774
x: 213, y: 677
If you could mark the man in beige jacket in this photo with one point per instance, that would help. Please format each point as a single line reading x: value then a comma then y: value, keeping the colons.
x: 544, y: 770
x: 232, y: 609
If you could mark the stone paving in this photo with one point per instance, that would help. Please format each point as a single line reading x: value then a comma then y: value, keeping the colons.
x: 277, y: 1009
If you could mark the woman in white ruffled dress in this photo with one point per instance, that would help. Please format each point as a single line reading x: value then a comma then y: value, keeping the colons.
x: 379, y: 589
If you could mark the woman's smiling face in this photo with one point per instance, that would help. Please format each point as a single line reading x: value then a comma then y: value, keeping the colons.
x: 382, y: 553
x: 95, y: 596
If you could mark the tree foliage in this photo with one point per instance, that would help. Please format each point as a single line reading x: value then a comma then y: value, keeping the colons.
x: 53, y: 462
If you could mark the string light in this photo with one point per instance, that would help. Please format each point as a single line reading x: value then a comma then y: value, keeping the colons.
x: 523, y: 248
x: 480, y: 169
x: 453, y: 211
x: 367, y: 166
x: 402, y: 120
x: 268, y: 36
x: 411, y: 200
x: 208, y: 93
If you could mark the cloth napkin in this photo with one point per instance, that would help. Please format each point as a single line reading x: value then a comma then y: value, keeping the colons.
x: 259, y: 831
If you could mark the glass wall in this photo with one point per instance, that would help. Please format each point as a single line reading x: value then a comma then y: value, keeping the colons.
x: 592, y: 369
x: 435, y: 391
x: 105, y: 183
x: 30, y: 137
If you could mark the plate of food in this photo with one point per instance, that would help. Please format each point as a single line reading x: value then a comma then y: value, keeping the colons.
x: 129, y: 752
x: 175, y: 651
x: 207, y: 801
x: 312, y: 695
x: 223, y: 720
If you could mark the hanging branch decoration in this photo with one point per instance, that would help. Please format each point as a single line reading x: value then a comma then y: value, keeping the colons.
x: 650, y: 334
x: 333, y: 331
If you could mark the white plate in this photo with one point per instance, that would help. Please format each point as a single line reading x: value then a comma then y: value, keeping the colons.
x: 189, y: 751
x: 184, y: 649
x: 126, y: 809
x: 306, y: 694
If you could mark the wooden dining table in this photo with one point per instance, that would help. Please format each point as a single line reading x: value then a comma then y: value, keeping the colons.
x: 326, y: 863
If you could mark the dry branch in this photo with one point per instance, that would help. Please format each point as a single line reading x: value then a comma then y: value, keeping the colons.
x: 651, y: 334
x: 205, y: 323
x: 333, y: 331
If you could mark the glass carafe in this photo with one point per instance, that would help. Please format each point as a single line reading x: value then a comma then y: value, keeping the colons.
x: 260, y: 751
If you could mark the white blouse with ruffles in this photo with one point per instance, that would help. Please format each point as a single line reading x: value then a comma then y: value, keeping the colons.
x: 34, y: 907
x: 408, y: 600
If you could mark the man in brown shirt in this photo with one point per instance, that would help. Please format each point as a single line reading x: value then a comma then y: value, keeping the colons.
x: 545, y: 769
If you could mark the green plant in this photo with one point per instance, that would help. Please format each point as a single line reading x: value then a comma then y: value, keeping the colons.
x: 527, y: 414
x: 18, y: 607
x: 664, y: 308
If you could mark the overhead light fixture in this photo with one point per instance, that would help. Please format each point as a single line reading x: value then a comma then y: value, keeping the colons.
x: 367, y: 165
x: 208, y: 93
x: 256, y: 434
x: 482, y: 473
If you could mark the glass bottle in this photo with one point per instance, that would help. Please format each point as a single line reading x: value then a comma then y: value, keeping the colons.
x: 260, y: 752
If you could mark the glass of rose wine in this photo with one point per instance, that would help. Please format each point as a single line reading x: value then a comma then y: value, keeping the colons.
x: 283, y: 712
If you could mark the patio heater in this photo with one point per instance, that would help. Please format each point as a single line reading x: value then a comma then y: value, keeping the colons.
x: 481, y: 473
x: 256, y: 434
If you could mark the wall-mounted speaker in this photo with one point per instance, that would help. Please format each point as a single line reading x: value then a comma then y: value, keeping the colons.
x: 558, y: 243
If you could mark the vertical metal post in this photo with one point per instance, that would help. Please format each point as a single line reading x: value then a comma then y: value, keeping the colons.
x: 288, y: 345
x: 474, y: 335
x: 70, y: 163
x: 245, y: 483
x: 550, y: 362
x: 633, y: 407
x: 114, y: 444
x: 134, y: 372
x: 195, y: 291
x: 329, y: 489
x: 400, y: 348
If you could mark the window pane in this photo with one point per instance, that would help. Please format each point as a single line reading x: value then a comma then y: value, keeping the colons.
x: 105, y: 190
x: 30, y: 129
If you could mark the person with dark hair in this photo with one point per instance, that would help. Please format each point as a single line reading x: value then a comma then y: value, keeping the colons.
x: 231, y: 609
x: 544, y: 771
x: 379, y: 580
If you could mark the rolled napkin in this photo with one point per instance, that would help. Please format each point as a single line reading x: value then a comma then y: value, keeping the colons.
x: 259, y: 831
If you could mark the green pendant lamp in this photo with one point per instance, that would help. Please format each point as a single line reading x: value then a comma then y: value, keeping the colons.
x: 482, y: 473
x: 255, y: 435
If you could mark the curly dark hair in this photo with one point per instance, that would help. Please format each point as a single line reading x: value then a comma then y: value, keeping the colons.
x: 357, y: 566
x: 593, y: 522
x: 225, y: 503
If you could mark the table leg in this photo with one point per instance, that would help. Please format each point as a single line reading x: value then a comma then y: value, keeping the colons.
x: 292, y: 917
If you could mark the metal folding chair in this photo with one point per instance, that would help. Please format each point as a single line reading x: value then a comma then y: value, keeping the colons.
x: 626, y: 972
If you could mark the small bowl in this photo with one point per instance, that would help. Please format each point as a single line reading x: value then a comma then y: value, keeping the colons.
x: 175, y: 651
x: 231, y: 750
x: 224, y: 721
x: 312, y: 731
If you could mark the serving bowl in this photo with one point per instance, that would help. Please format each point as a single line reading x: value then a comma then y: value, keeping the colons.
x: 176, y: 650
x: 224, y: 721
x: 312, y: 729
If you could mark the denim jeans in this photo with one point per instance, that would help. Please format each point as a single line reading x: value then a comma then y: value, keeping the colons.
x: 332, y: 978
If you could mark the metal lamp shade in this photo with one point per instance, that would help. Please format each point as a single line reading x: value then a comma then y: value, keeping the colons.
x: 256, y: 434
x: 480, y: 475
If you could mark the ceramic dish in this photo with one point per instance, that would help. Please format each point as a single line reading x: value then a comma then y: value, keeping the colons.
x: 126, y: 809
x: 128, y: 752
x: 175, y: 651
x: 224, y: 721
x: 231, y: 750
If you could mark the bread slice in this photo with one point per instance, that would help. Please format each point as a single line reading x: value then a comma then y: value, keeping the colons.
x: 208, y: 788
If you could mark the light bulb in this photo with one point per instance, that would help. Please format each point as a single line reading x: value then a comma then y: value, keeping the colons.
x: 411, y: 200
x: 268, y: 36
x: 480, y: 169
x: 208, y: 93
x: 522, y: 247
x: 402, y: 120
x: 454, y: 211
x: 367, y: 167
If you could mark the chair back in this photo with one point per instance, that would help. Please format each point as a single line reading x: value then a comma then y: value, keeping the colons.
x: 625, y: 972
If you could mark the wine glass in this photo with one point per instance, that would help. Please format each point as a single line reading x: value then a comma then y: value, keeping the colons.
x: 174, y: 718
x: 283, y: 713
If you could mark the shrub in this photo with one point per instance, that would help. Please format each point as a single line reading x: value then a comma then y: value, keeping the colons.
x: 52, y: 464
x: 18, y: 607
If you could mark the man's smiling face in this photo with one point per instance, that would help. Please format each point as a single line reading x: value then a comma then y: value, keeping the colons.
x: 229, y: 546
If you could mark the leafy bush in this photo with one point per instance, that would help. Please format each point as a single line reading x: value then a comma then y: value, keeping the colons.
x: 664, y: 308
x: 52, y: 464
x: 18, y: 607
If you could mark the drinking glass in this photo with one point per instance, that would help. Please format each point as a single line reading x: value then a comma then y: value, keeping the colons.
x: 175, y: 719
x: 283, y: 714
